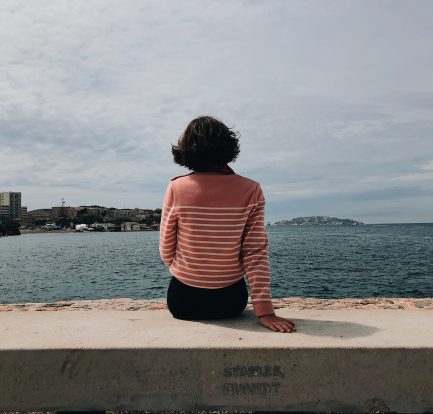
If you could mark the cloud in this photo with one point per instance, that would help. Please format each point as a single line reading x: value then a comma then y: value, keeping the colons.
x: 333, y: 101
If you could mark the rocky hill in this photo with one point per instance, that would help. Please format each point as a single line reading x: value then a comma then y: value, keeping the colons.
x: 317, y: 220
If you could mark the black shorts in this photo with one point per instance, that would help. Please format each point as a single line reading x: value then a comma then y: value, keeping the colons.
x: 193, y: 303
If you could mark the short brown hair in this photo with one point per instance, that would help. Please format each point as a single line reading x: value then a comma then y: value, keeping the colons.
x: 206, y: 144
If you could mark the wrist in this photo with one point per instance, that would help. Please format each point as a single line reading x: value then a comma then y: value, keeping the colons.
x: 263, y: 308
x: 268, y: 314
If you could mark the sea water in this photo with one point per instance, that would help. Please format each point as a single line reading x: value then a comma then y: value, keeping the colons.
x: 331, y: 261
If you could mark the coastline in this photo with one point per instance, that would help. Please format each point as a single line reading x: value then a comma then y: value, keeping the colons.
x: 294, y: 303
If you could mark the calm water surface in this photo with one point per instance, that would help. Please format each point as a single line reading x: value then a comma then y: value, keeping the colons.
x: 324, y: 262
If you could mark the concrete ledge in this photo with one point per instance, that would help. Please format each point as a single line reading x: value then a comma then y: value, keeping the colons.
x: 338, y: 360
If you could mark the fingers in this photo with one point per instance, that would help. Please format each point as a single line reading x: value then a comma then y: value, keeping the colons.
x: 280, y: 326
x: 269, y: 325
x: 284, y: 326
x: 272, y: 327
x: 290, y: 324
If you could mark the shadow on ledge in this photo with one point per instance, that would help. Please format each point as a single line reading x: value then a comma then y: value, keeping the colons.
x: 248, y: 321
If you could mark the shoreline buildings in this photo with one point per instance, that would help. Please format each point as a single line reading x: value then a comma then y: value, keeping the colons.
x: 66, y: 217
x: 10, y: 206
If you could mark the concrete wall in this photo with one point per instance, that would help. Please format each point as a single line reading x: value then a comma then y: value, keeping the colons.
x: 234, y: 379
x: 346, y: 361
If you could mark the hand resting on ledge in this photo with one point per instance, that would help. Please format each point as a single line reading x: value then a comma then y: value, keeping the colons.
x: 277, y: 323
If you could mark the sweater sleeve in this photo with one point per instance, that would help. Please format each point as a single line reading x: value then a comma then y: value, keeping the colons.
x: 255, y: 257
x: 168, y: 228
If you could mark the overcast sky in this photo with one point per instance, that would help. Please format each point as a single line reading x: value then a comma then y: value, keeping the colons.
x: 333, y: 100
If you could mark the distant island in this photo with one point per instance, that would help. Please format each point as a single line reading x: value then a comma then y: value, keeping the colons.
x: 317, y: 220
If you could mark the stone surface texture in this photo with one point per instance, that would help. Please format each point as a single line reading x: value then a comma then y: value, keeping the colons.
x: 347, y: 355
x: 127, y: 304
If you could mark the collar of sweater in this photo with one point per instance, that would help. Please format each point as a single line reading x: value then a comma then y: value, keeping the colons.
x: 224, y: 170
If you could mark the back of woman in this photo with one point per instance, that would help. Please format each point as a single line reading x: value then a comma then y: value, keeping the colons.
x: 212, y: 232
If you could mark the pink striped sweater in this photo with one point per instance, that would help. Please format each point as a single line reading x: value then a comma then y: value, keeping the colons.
x: 212, y: 232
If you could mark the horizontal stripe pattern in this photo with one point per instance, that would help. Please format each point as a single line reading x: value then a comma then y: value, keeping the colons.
x: 215, y: 246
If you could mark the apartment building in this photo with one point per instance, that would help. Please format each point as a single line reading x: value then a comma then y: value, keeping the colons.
x: 10, y: 202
